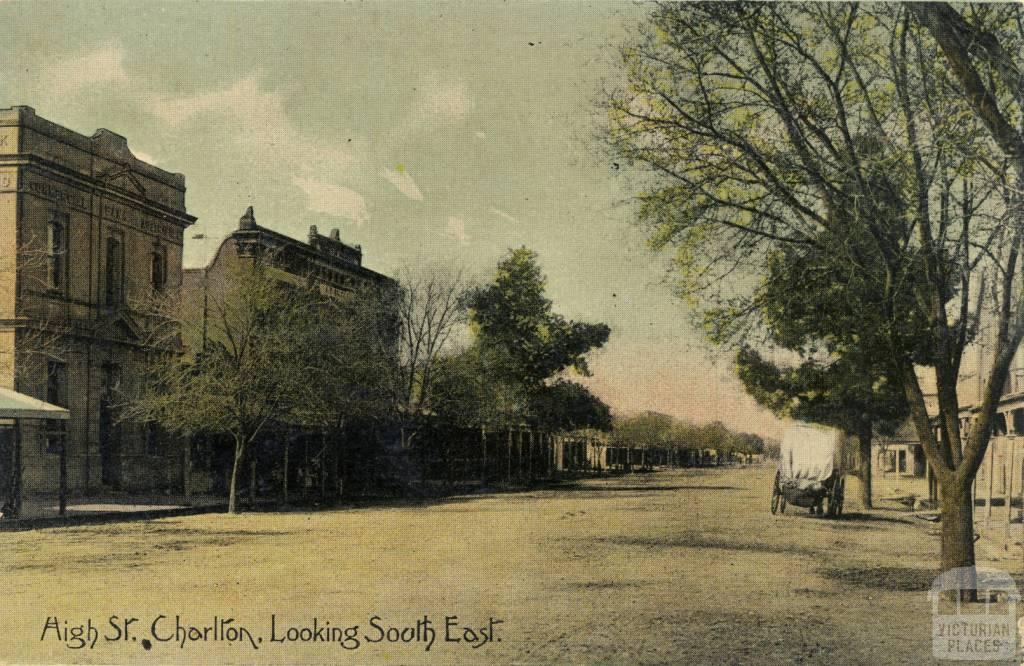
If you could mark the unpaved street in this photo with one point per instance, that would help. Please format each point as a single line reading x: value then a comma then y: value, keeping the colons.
x: 671, y: 567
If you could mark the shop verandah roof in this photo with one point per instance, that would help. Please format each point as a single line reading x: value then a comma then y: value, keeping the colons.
x: 14, y: 405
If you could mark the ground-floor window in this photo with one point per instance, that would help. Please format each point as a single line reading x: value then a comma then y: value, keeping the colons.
x: 887, y: 460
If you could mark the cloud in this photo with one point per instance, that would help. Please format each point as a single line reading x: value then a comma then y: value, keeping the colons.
x: 457, y: 229
x: 145, y: 157
x: 446, y: 99
x: 505, y: 216
x: 334, y: 200
x: 250, y: 130
x: 256, y: 119
x: 439, y: 100
x: 480, y: 135
x: 403, y: 182
x: 101, y: 66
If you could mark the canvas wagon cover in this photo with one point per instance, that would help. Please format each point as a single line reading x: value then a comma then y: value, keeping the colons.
x: 808, y: 451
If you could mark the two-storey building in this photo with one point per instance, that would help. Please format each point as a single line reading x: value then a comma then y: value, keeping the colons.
x: 87, y: 231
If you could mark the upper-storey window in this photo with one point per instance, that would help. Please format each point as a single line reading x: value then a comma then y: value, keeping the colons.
x: 56, y: 250
x: 158, y: 268
x: 114, y: 282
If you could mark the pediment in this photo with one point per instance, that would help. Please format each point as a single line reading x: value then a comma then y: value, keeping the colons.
x: 127, y: 181
x: 120, y: 327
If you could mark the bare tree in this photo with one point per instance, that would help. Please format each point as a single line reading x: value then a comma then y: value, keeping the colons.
x: 431, y: 314
x: 249, y: 358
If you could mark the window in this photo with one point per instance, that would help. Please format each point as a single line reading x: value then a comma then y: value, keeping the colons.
x: 56, y: 249
x: 902, y: 461
x: 887, y: 460
x: 158, y: 269
x: 114, y: 270
x: 56, y: 394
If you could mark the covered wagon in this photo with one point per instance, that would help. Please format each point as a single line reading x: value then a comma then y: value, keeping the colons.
x: 810, y: 470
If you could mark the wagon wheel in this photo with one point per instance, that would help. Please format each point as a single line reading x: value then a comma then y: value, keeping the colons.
x: 835, y: 497
x: 777, y: 499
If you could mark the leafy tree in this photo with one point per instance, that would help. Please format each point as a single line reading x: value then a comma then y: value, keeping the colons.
x: 470, y: 393
x: 516, y: 326
x: 762, y: 128
x: 983, y: 47
x: 355, y: 369
x: 643, y: 431
x: 811, y: 306
x: 565, y: 405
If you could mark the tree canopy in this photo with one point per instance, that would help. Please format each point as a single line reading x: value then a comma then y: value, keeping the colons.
x: 514, y: 322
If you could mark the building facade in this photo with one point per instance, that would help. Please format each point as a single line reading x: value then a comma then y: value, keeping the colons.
x: 88, y: 233
x: 334, y: 266
x: 899, y: 470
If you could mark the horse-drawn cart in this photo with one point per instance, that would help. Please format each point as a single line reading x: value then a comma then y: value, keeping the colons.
x: 810, y: 470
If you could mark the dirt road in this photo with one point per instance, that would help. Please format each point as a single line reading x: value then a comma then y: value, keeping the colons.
x: 671, y: 567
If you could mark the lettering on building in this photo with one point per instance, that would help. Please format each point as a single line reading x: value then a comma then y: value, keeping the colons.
x: 58, y: 194
x: 128, y: 216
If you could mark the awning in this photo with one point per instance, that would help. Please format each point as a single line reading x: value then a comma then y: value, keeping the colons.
x: 14, y: 405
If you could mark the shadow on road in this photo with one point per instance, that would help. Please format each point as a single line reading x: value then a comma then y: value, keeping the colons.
x: 698, y: 540
x: 892, y: 579
x: 872, y: 518
x: 575, y: 487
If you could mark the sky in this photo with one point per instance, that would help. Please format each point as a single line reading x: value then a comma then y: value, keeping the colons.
x: 429, y: 133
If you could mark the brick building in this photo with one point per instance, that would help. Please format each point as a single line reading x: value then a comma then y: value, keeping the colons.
x: 86, y: 231
x: 335, y: 266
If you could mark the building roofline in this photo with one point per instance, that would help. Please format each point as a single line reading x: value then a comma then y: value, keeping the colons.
x: 256, y: 229
x: 103, y: 143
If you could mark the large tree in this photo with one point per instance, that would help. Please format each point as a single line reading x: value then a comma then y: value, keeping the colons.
x: 840, y: 380
x: 515, y: 324
x: 761, y: 128
x: 249, y: 359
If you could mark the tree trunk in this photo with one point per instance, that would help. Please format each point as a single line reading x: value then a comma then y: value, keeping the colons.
x: 958, y: 535
x: 187, y: 477
x: 233, y: 486
x: 864, y: 441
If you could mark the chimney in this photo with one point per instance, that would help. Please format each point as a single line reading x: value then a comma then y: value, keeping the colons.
x: 312, y: 234
x: 335, y: 235
x: 247, y: 221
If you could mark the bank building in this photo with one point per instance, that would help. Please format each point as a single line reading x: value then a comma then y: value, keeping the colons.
x: 86, y: 230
